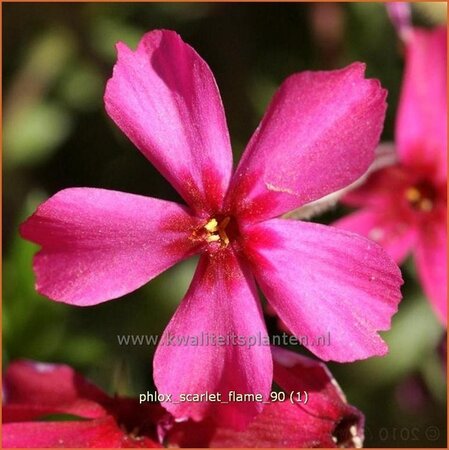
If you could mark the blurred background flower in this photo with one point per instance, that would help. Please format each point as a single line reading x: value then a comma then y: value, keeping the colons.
x: 57, y: 58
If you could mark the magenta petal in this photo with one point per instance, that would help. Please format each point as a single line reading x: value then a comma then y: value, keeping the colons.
x: 331, y: 288
x: 34, y: 389
x: 279, y: 425
x: 221, y: 302
x: 431, y: 261
x: 98, y: 244
x: 283, y: 425
x: 164, y: 98
x: 101, y: 433
x: 421, y: 128
x: 325, y: 420
x: 396, y: 237
x: 317, y: 136
x: 297, y: 373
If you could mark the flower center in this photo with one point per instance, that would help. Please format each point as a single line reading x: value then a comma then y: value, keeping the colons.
x: 421, y: 197
x: 216, y: 231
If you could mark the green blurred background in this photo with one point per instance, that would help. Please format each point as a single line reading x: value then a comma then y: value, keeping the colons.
x: 57, y: 58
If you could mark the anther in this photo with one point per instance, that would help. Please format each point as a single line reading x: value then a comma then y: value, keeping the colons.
x: 413, y: 195
x: 419, y: 200
x: 216, y: 231
x: 212, y: 226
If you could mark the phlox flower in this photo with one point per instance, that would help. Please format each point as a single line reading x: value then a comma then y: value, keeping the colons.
x: 37, y: 393
x: 403, y: 207
x: 317, y: 136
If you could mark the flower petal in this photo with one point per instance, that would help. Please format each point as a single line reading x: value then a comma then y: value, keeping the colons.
x: 279, y: 425
x: 98, y: 244
x: 317, y: 136
x: 326, y: 416
x: 421, y: 128
x: 401, y: 16
x: 396, y: 237
x: 385, y: 157
x: 332, y: 288
x: 34, y: 389
x: 221, y: 302
x: 100, y: 433
x: 324, y: 421
x: 431, y: 261
x: 164, y: 98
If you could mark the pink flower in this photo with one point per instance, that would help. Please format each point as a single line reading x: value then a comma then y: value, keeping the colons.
x: 34, y: 391
x: 404, y: 206
x: 318, y: 135
x: 325, y: 420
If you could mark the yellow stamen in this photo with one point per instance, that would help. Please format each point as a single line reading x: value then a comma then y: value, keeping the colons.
x: 426, y: 205
x: 223, y: 237
x: 216, y: 231
x: 418, y: 199
x: 412, y: 194
x: 212, y: 226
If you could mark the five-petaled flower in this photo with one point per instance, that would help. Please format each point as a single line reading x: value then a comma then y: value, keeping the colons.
x: 318, y: 135
x: 404, y: 207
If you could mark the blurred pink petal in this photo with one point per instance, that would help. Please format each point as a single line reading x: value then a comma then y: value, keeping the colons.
x: 395, y: 237
x: 35, y: 390
x: 431, y: 261
x: 100, y: 433
x: 222, y: 301
x: 317, y: 136
x: 325, y: 421
x: 164, y: 98
x: 421, y: 127
x: 401, y: 16
x: 316, y: 299
x: 98, y: 244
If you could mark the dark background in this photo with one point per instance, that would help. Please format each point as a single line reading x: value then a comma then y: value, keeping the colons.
x: 56, y: 60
